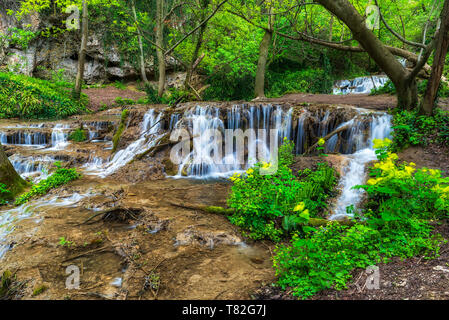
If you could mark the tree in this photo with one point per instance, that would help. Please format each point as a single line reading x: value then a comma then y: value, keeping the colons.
x: 160, y: 45
x: 143, y: 72
x: 9, y: 176
x: 82, y: 53
x: 259, y: 87
x: 442, y: 43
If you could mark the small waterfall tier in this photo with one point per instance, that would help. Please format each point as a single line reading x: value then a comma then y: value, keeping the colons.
x: 361, y: 85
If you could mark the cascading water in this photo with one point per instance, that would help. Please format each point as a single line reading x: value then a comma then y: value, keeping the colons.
x: 354, y: 173
x: 31, y: 166
x: 59, y: 137
x: 9, y: 218
x: 23, y: 138
x: 212, y: 156
x: 359, y: 85
x: 150, y: 133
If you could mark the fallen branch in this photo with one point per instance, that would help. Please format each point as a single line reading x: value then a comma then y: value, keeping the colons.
x: 327, y: 137
x: 314, y: 222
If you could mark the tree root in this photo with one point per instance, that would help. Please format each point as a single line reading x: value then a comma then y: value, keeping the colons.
x: 115, y: 214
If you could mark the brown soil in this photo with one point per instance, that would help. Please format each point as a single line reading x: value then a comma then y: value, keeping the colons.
x: 100, y: 97
x: 195, y: 255
x: 378, y: 102
x: 432, y: 157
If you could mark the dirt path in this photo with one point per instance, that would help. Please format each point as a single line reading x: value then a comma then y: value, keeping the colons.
x: 379, y: 102
x: 100, y: 97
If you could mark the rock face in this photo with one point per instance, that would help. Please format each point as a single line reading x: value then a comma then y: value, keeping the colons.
x: 45, y: 57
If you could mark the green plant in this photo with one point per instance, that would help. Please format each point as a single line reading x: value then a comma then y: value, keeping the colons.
x: 63, y: 242
x: 60, y: 177
x: 39, y: 290
x: 124, y: 101
x: 266, y: 205
x: 387, y: 88
x: 79, y: 135
x: 4, y: 193
x: 410, y: 128
x: 26, y: 97
x: 397, y: 216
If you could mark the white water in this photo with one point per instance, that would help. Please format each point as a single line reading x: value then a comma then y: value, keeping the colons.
x: 354, y: 173
x: 8, y: 218
x: 361, y: 85
x: 150, y: 133
x: 210, y: 157
x: 35, y: 167
x: 59, y: 137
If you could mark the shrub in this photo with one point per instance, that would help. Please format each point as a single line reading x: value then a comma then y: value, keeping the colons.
x: 271, y: 205
x: 4, y: 193
x: 387, y: 88
x: 401, y: 202
x: 79, y: 135
x: 60, y: 177
x: 410, y: 128
x: 26, y: 97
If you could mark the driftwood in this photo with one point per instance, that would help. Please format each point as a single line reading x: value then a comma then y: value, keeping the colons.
x: 328, y: 136
x: 314, y: 222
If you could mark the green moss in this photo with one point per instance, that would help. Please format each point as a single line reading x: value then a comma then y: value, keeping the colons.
x: 121, y: 128
x: 39, y: 289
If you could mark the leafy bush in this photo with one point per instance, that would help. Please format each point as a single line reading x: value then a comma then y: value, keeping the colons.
x: 307, y: 81
x: 4, y: 193
x: 60, y: 177
x: 410, y: 128
x: 401, y: 202
x: 79, y: 135
x: 387, y: 88
x: 124, y: 101
x: 271, y: 205
x: 26, y: 97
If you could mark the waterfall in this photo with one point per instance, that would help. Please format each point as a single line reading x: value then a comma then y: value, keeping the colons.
x: 300, y: 134
x: 213, y: 156
x: 59, y: 137
x: 150, y: 134
x: 23, y: 138
x: 31, y: 166
x: 359, y: 85
x: 354, y: 173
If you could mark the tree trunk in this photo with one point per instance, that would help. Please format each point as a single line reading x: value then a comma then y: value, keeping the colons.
x: 142, y: 57
x: 195, y: 55
x: 9, y: 177
x: 82, y: 53
x: 259, y: 89
x: 160, y: 45
x: 331, y: 28
x: 439, y: 59
x: 345, y: 11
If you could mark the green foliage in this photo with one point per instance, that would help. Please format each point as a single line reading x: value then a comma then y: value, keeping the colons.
x: 272, y: 205
x: 4, y: 193
x: 39, y: 290
x: 60, y: 177
x: 79, y: 135
x: 26, y: 97
x: 401, y: 203
x: 120, y: 129
x: 124, y: 101
x: 387, y: 88
x: 410, y: 128
x: 63, y: 242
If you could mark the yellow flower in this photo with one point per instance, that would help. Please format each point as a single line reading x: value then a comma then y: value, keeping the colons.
x: 300, y: 206
x: 412, y: 164
x: 377, y: 144
x: 371, y: 182
x: 321, y: 141
x: 250, y: 171
x: 266, y: 165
